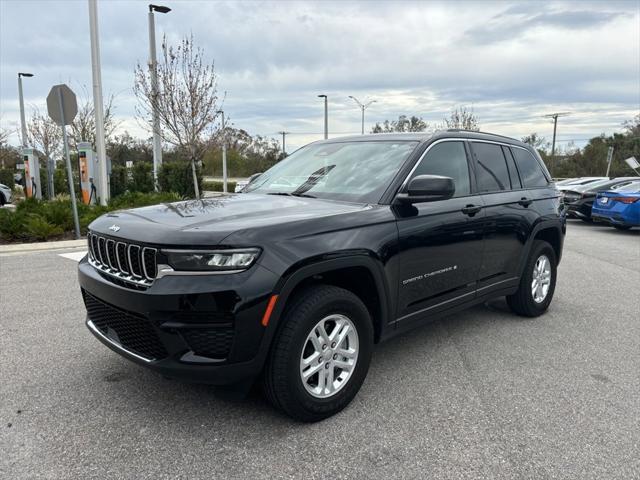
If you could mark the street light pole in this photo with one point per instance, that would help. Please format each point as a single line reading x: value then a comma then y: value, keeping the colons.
x: 326, y: 116
x: 23, y: 124
x: 224, y: 154
x: 553, y: 142
x: 98, y: 106
x: 363, y: 107
x: 153, y: 73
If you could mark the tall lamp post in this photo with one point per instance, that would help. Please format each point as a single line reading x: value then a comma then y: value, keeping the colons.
x: 326, y: 116
x: 224, y: 153
x: 23, y: 124
x: 363, y: 107
x: 153, y: 71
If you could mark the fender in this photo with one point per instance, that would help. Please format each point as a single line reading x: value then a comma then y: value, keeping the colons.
x: 296, y: 274
x: 538, y: 227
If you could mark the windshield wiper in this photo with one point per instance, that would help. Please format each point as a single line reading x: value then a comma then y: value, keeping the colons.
x: 292, y: 194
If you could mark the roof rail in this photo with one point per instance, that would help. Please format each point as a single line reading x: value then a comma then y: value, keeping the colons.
x: 484, y: 133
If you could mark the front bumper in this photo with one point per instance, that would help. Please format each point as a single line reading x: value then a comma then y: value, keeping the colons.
x: 196, y: 328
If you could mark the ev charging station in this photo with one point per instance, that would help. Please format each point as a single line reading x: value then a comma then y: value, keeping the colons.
x: 32, y: 173
x: 88, y: 170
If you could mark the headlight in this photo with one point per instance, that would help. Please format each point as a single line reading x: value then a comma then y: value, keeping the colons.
x: 212, y: 260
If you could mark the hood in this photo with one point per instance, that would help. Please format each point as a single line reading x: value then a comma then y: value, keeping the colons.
x: 210, y: 220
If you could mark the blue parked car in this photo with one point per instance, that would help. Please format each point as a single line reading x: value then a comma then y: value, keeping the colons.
x: 620, y: 208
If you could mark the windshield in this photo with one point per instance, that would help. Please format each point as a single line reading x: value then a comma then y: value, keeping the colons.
x: 630, y: 188
x: 351, y: 171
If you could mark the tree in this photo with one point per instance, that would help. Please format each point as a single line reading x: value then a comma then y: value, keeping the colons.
x: 462, y: 119
x: 9, y: 155
x: 44, y: 135
x: 403, y: 124
x: 123, y: 148
x: 83, y: 128
x: 187, y: 101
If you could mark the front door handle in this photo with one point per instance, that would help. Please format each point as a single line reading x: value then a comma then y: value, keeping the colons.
x: 471, y: 210
x: 525, y: 202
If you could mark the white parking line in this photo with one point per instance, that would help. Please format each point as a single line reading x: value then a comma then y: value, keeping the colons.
x: 75, y: 256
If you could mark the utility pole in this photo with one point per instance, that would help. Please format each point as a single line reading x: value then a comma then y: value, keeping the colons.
x: 284, y: 150
x: 609, y: 159
x: 23, y: 124
x: 363, y: 107
x: 553, y: 143
x: 224, y: 153
x: 153, y: 73
x: 98, y: 106
x: 326, y: 116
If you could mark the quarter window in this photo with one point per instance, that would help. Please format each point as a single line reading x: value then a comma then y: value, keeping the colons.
x: 492, y: 173
x: 448, y: 159
x: 529, y: 168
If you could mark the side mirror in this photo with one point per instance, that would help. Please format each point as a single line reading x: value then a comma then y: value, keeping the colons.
x: 427, y: 188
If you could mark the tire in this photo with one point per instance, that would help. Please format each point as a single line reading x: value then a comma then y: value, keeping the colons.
x: 622, y: 227
x: 282, y: 379
x: 523, y: 302
x: 2, y: 200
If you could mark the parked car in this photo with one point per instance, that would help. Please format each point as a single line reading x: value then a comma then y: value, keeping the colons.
x: 5, y: 195
x: 345, y: 243
x: 240, y: 184
x: 619, y: 208
x: 580, y: 198
x: 579, y: 182
x: 565, y: 181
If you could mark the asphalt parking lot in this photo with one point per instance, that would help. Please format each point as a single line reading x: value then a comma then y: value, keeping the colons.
x: 483, y: 394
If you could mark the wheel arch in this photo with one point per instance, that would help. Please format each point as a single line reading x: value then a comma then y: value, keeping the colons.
x: 361, y: 274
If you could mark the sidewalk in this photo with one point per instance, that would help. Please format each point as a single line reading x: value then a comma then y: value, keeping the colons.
x: 42, y: 246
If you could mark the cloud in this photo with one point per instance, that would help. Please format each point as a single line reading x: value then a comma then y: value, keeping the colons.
x: 511, y: 61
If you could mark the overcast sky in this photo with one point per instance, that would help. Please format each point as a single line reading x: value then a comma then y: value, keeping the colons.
x: 512, y: 62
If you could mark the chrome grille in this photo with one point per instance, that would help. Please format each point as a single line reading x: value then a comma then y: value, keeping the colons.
x: 126, y: 261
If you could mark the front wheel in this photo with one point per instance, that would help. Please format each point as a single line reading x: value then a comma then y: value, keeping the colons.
x: 320, y: 355
x: 538, y: 282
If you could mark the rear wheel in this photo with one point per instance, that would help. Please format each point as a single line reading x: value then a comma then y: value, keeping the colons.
x: 622, y: 227
x: 2, y: 200
x: 538, y: 282
x: 321, y: 355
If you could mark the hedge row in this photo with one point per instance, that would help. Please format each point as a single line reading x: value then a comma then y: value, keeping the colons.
x: 217, y: 186
x: 37, y: 220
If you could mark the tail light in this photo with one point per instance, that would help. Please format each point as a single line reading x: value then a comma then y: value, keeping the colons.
x: 626, y: 199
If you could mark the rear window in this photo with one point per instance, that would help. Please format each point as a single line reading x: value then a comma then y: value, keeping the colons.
x: 492, y: 173
x: 630, y: 188
x: 530, y: 170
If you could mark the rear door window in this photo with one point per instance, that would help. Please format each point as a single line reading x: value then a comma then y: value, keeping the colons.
x: 491, y: 171
x: 530, y: 170
x: 513, y: 171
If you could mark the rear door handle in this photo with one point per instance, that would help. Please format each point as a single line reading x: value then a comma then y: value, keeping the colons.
x: 525, y: 202
x: 471, y: 210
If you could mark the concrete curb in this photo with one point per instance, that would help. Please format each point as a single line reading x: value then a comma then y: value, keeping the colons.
x: 42, y: 246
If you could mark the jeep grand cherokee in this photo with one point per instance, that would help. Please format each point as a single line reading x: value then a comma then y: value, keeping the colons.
x: 342, y: 245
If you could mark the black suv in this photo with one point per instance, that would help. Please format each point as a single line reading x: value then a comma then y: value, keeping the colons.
x: 342, y: 245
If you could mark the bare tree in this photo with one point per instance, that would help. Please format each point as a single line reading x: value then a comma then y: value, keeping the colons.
x: 83, y: 128
x: 462, y: 119
x: 44, y: 135
x: 187, y: 101
x: 8, y: 154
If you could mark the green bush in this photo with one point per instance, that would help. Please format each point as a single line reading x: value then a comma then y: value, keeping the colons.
x: 142, y: 177
x: 35, y: 220
x: 38, y: 228
x: 6, y: 177
x: 177, y: 177
x: 119, y: 180
x: 216, y: 186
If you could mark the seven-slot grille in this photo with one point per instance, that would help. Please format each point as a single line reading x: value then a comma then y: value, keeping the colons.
x: 127, y: 261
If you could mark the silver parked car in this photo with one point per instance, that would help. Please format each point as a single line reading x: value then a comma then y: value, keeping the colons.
x: 5, y: 194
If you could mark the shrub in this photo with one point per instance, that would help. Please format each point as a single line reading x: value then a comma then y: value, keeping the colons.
x: 216, y: 186
x: 119, y: 180
x: 6, y: 177
x: 11, y: 224
x: 177, y: 177
x: 137, y: 199
x: 37, y: 228
x: 142, y: 177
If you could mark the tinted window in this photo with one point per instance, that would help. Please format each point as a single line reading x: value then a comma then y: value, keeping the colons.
x: 449, y: 160
x: 513, y: 171
x: 529, y: 168
x: 492, y: 170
